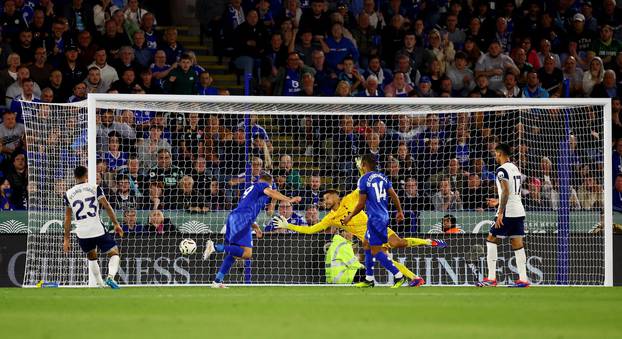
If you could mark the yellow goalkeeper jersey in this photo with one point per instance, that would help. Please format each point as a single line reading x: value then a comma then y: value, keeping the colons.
x: 356, y: 226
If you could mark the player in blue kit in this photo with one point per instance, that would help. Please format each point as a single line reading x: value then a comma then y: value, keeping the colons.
x: 240, y: 223
x: 374, y: 188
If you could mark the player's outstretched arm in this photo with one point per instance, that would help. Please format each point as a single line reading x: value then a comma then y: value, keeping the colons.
x: 398, y: 205
x: 103, y: 202
x: 274, y: 194
x: 281, y: 222
x: 67, y: 228
x: 357, y: 209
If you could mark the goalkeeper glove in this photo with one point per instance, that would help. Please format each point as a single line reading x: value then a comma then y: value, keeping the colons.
x: 280, y: 222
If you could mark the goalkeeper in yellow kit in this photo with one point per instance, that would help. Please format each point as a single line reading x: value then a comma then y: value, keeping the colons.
x: 339, y: 209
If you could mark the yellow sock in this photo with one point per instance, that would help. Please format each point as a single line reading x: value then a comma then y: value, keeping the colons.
x: 413, y: 242
x: 405, y: 271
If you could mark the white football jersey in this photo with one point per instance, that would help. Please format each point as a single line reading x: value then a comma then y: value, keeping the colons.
x: 83, y: 199
x: 511, y: 173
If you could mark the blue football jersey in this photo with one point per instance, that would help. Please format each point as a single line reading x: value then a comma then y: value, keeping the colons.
x: 253, y: 200
x: 375, y: 186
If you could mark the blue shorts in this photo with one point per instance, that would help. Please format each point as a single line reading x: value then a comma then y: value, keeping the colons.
x: 104, y: 243
x: 239, y: 231
x: 377, y: 231
x: 512, y: 228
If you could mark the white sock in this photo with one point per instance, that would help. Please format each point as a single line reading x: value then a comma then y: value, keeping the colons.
x: 113, y: 266
x: 399, y: 275
x: 369, y: 277
x: 96, y: 272
x: 521, y: 264
x: 491, y: 259
x: 92, y: 279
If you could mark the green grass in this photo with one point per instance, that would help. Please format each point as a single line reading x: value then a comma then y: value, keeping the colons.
x: 311, y: 312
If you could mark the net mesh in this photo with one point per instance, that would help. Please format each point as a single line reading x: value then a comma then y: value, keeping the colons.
x: 174, y: 170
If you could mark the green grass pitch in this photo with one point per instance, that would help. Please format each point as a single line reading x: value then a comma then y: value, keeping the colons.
x: 311, y: 312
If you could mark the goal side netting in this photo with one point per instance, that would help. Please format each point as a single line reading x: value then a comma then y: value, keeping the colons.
x: 174, y: 167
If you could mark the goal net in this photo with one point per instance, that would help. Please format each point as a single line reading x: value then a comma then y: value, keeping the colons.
x: 173, y: 167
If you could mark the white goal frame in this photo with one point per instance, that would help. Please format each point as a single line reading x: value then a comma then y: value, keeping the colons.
x: 93, y: 99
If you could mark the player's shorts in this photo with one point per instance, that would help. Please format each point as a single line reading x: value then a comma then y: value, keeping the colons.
x: 239, y: 231
x: 377, y: 231
x: 104, y: 243
x: 511, y: 228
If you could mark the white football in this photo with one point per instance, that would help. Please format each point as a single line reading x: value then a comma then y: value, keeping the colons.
x: 187, y: 247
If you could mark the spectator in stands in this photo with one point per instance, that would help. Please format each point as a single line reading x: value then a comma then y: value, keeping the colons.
x: 421, y: 57
x: 449, y: 225
x: 472, y: 52
x: 453, y: 172
x: 441, y: 48
x: 205, y: 85
x: 398, y: 87
x: 593, y: 76
x: 6, y: 196
x: 12, y: 21
x: 551, y: 77
x: 608, y: 88
x: 216, y: 198
x: 384, y: 75
x: 574, y: 74
x: 446, y: 199
x: 351, y: 75
x: 183, y: 79
x: 86, y: 48
x: 545, y: 51
x: 115, y: 157
x: 312, y: 215
x: 148, y: 149
x: 424, y: 89
x: 158, y: 224
x: 125, y: 60
x: 73, y: 71
x: 461, y: 77
x: 337, y: 47
x: 147, y: 83
x: 293, y: 181
x: 533, y: 89
x: 311, y: 194
x: 126, y: 27
x: 413, y: 203
x: 590, y: 194
x: 27, y: 94
x: 93, y: 81
x: 475, y: 197
x: 112, y: 40
x: 102, y: 12
x: 317, y: 19
x: 108, y: 73
x: 124, y: 196
x: 165, y: 172
x: 24, y: 47
x: 135, y: 174
x: 371, y: 88
x: 288, y: 79
x: 12, y: 136
x: 130, y: 225
x: 187, y: 198
x: 519, y: 55
x: 617, y: 194
x: 493, y: 65
x: 142, y: 53
x: 343, y: 89
x: 17, y: 175
x: 61, y: 92
x: 553, y: 199
x: 127, y: 83
x: 617, y: 158
x: 606, y: 48
x: 40, y: 70
x: 250, y: 39
x: 456, y: 35
x: 510, y: 88
x: 482, y: 89
x: 79, y: 92
x: 325, y: 77
x: 16, y: 88
x: 274, y: 56
x: 285, y: 210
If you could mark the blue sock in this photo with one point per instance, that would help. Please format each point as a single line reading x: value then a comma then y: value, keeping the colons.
x: 224, y: 268
x: 369, y: 263
x: 236, y: 251
x: 386, y: 262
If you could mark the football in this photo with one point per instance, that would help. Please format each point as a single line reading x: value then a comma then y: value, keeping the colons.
x: 187, y: 247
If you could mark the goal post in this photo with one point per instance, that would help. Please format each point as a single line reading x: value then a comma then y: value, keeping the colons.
x: 567, y: 244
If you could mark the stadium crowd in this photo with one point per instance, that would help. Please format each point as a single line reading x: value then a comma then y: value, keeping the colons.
x: 57, y: 51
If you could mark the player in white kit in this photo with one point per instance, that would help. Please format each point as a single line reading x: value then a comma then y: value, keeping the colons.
x: 83, y: 202
x: 509, y: 221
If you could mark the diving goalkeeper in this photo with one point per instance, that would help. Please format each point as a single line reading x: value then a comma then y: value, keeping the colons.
x: 339, y: 209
